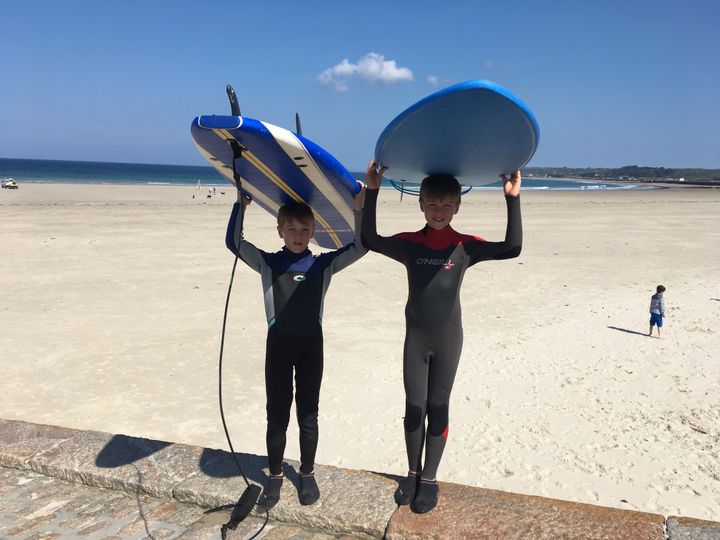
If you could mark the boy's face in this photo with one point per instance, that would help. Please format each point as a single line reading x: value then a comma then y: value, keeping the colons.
x: 439, y: 212
x: 296, y: 234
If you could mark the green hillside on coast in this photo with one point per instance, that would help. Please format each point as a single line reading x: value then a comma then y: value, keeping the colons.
x: 630, y: 172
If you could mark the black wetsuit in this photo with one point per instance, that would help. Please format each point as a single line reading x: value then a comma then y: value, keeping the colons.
x: 294, y: 288
x: 436, y: 262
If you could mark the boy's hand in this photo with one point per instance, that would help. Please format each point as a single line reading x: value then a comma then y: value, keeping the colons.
x: 244, y: 199
x: 359, y: 199
x: 373, y: 175
x: 511, y: 185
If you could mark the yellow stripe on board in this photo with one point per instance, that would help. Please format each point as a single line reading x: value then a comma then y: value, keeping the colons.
x: 275, y: 179
x: 252, y: 158
x: 256, y: 194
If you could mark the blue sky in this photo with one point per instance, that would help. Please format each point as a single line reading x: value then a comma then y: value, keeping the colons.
x: 612, y: 83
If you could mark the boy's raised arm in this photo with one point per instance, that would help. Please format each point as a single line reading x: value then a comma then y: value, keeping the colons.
x: 373, y: 178
x: 512, y: 245
x: 234, y: 240
x: 350, y: 253
x: 386, y: 245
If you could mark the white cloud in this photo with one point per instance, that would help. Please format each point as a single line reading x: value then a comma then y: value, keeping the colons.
x: 434, y: 80
x: 372, y: 68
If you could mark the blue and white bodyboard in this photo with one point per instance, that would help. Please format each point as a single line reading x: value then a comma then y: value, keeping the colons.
x: 277, y: 166
x: 475, y: 131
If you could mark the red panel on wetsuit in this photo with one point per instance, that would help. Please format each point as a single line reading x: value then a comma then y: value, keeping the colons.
x: 438, y: 239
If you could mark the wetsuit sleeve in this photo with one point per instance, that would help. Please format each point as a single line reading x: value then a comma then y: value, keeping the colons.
x: 387, y: 245
x: 346, y: 255
x: 507, y: 249
x: 234, y: 241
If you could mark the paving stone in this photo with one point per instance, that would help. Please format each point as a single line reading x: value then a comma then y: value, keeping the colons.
x: 43, y: 536
x: 19, y: 441
x: 680, y: 528
x: 208, y: 526
x: 466, y: 512
x: 42, y: 507
x: 28, y: 525
x: 279, y: 531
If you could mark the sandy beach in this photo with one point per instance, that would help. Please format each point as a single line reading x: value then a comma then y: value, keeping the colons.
x: 112, y: 303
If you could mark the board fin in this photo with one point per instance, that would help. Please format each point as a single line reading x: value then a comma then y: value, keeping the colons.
x: 298, y: 127
x: 234, y: 106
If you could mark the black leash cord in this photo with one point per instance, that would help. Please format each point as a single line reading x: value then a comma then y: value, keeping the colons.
x: 249, y: 497
x: 220, y: 370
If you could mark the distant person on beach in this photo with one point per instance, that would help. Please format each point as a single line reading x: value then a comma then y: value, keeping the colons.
x: 657, y: 310
x: 294, y: 283
x: 436, y: 258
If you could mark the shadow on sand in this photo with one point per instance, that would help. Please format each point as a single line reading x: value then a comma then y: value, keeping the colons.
x: 644, y: 334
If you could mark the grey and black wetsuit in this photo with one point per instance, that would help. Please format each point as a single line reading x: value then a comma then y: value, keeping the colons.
x: 436, y: 262
x: 294, y: 288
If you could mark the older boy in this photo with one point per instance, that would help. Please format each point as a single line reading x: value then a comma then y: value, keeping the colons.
x: 294, y: 283
x: 436, y: 258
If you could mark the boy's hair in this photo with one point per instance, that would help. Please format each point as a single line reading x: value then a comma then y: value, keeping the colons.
x: 295, y: 210
x: 660, y: 288
x: 440, y: 186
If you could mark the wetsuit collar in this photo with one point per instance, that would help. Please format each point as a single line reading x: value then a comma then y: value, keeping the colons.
x: 438, y: 239
x: 294, y: 257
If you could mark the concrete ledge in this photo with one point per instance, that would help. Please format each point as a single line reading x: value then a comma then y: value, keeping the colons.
x: 353, y: 503
x: 469, y: 512
x: 19, y: 441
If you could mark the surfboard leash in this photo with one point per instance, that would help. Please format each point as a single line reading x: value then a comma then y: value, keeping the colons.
x: 414, y: 188
x: 248, y: 499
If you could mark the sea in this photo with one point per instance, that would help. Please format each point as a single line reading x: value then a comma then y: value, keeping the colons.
x: 95, y: 172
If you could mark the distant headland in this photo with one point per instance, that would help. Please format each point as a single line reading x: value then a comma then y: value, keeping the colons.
x: 631, y: 173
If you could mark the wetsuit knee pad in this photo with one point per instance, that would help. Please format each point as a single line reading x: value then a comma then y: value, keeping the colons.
x: 437, y: 419
x: 278, y: 423
x: 413, y: 417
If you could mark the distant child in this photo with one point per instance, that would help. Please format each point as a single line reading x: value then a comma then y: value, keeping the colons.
x: 657, y: 310
x: 294, y: 284
x: 436, y: 258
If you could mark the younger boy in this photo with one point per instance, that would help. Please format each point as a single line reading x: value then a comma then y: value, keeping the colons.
x: 294, y: 284
x: 657, y: 310
x: 436, y: 258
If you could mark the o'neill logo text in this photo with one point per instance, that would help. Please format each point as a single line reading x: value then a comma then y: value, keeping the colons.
x: 447, y: 265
